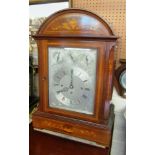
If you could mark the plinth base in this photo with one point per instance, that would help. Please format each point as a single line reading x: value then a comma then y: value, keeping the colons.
x: 45, y: 144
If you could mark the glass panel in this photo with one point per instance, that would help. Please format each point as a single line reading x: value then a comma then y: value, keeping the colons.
x: 72, y: 78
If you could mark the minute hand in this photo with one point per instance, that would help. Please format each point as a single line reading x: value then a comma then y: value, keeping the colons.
x: 71, y: 84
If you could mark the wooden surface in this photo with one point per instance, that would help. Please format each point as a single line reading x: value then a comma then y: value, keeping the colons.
x: 45, y: 144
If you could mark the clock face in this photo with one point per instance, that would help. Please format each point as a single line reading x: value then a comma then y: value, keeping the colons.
x: 72, y: 78
x: 122, y: 79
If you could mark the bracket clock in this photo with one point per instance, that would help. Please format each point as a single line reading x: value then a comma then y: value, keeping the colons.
x: 76, y: 63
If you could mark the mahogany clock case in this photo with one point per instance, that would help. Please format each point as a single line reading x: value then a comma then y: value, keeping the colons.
x: 76, y: 28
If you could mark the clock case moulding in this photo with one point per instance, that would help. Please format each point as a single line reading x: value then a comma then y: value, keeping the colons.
x: 82, y: 29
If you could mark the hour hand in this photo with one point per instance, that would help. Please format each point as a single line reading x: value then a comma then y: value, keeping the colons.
x: 63, y: 90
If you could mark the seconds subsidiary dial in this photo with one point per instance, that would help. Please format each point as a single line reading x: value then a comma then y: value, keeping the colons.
x: 72, y: 76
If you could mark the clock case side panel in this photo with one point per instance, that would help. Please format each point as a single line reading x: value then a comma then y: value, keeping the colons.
x: 41, y: 72
x: 110, y: 66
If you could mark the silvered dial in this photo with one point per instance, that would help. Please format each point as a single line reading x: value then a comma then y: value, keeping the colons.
x: 72, y: 76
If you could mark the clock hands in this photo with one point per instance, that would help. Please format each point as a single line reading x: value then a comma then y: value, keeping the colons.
x: 63, y: 90
x: 71, y: 83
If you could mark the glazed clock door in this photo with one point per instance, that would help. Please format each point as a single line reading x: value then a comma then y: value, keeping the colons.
x: 72, y: 79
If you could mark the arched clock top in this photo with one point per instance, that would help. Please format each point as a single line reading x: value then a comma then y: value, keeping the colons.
x: 74, y: 23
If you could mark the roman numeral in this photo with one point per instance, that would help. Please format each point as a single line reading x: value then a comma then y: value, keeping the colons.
x: 63, y: 98
x: 72, y: 58
x: 85, y: 80
x: 87, y: 60
x: 87, y: 89
x: 84, y: 96
x: 79, y: 101
x: 58, y: 56
x: 58, y: 92
x: 79, y: 74
x: 58, y: 77
x: 64, y: 73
